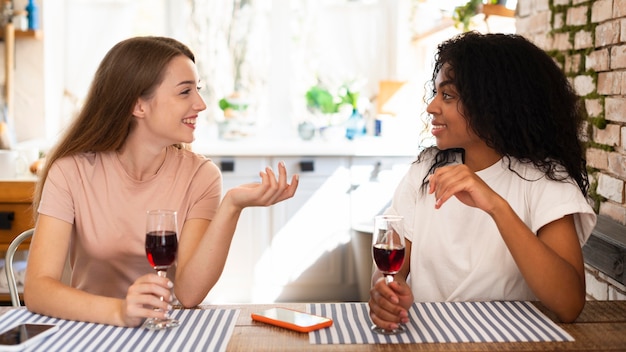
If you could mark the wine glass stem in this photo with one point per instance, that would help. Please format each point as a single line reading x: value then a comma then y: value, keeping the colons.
x: 162, y: 273
x: 388, y: 279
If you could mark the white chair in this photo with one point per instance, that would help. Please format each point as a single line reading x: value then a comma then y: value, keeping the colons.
x: 8, y: 262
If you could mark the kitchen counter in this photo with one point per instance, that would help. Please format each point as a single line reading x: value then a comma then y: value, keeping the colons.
x: 253, y: 146
x: 267, y: 145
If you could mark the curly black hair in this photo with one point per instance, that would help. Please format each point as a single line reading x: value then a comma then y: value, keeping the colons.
x: 517, y: 100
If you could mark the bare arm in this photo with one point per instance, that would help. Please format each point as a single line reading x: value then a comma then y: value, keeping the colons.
x: 204, y: 245
x: 551, y: 263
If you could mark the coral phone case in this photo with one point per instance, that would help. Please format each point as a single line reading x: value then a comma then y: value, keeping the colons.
x: 292, y: 319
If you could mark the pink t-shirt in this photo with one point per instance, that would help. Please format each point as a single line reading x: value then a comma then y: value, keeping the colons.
x: 108, y: 210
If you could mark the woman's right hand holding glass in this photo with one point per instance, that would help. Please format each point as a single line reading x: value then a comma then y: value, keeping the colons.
x: 143, y: 296
x: 389, y: 303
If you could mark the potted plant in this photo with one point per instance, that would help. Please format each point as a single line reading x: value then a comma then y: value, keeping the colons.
x: 463, y: 15
x: 232, y: 105
x: 236, y: 120
x: 319, y: 98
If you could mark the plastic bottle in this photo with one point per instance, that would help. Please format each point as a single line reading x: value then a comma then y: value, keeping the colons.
x: 33, y: 15
x: 355, y: 126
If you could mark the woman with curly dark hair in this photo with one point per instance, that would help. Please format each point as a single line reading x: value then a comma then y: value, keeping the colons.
x: 497, y: 210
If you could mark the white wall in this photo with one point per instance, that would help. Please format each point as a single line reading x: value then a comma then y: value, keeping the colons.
x: 53, y: 72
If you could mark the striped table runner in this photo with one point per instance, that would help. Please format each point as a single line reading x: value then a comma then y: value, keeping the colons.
x: 199, y: 330
x: 440, y: 322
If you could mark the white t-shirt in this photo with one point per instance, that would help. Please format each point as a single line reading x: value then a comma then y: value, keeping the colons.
x: 108, y: 208
x: 457, y: 251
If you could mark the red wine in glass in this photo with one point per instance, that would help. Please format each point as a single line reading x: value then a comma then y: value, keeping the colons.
x: 388, y: 251
x: 388, y: 259
x: 161, y: 247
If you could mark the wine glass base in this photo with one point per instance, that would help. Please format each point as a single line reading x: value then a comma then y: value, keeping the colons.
x: 160, y: 324
x: 382, y: 331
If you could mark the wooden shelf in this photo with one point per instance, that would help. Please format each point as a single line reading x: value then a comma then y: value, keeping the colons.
x: 497, y: 10
x: 27, y: 34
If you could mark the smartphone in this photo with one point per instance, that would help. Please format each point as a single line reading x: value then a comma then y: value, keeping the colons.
x: 292, y: 319
x: 21, y: 336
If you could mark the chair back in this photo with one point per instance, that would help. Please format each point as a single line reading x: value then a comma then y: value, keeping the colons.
x: 8, y: 262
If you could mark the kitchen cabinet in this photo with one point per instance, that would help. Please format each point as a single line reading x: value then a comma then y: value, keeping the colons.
x: 15, y: 217
x: 252, y: 237
x: 309, y: 252
x: 15, y: 211
x: 373, y: 183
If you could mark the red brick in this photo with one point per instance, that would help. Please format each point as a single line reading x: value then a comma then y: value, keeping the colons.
x: 584, y: 85
x: 561, y: 42
x: 601, y: 10
x: 618, y: 57
x: 617, y: 164
x: 607, y: 33
x: 609, y: 83
x: 539, y: 22
x: 583, y: 40
x: 611, y: 188
x: 572, y: 64
x: 598, y: 60
x: 559, y: 21
x: 577, y: 16
x: 597, y: 158
x: 619, y: 8
x: 593, y: 107
x: 607, y: 136
x: 615, y: 109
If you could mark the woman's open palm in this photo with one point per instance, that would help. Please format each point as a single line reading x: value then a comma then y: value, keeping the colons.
x: 268, y: 192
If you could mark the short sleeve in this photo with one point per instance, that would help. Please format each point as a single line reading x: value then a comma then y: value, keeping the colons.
x: 556, y: 199
x: 56, y: 198
x: 206, y: 186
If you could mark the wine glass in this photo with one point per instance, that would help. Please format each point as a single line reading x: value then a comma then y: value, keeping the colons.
x: 388, y: 252
x: 161, y: 247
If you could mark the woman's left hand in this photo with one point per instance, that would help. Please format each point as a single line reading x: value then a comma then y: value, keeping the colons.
x: 464, y: 184
x: 270, y: 191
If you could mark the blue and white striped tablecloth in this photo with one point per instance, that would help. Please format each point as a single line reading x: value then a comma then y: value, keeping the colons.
x: 440, y: 322
x: 200, y: 330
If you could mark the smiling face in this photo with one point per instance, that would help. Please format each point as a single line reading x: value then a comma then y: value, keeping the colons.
x: 449, y: 126
x: 171, y: 112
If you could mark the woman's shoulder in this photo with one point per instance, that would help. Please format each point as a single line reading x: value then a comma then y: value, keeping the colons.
x: 77, y: 160
x: 530, y: 171
x: 189, y: 159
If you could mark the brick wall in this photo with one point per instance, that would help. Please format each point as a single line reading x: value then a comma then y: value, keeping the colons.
x: 588, y: 39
